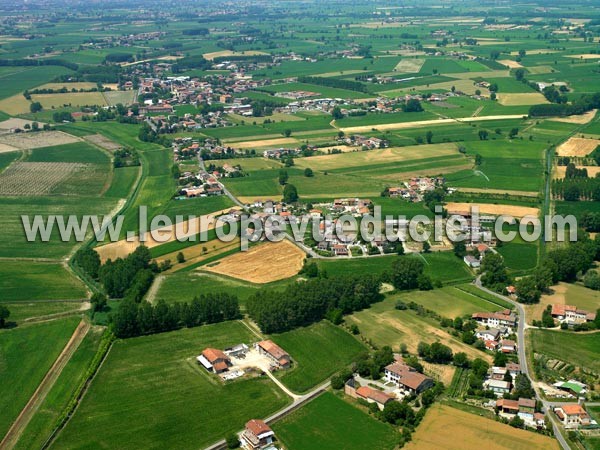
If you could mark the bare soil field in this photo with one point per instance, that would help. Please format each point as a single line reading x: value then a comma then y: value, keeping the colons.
x: 564, y: 294
x: 14, y: 122
x: 342, y: 148
x: 577, y: 147
x: 114, y: 97
x: 29, y: 141
x: 35, y: 178
x: 102, y: 141
x: 582, y: 56
x: 523, y: 99
x: 69, y: 86
x: 122, y: 248
x: 541, y: 51
x: 262, y: 264
x: 409, y: 65
x: 492, y: 209
x: 270, y: 143
x: 5, y: 148
x: 510, y: 63
x: 581, y: 119
x: 473, y: 433
x: 538, y: 70
x: 559, y: 171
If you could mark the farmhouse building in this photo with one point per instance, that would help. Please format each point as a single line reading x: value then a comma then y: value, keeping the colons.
x: 498, y: 387
x: 472, y: 261
x: 571, y: 315
x: 407, y: 377
x: 572, y: 416
x: 496, y: 319
x: 354, y: 390
x: 214, y: 360
x: 275, y: 353
x: 257, y: 435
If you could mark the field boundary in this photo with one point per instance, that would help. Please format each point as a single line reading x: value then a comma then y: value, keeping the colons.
x: 19, y: 425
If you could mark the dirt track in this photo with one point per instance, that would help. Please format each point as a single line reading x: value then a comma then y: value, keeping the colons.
x: 47, y: 383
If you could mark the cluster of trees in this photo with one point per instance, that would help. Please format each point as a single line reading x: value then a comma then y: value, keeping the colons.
x: 125, y: 157
x: 412, y: 105
x: 191, y: 62
x: 495, y: 276
x: 334, y: 83
x: 136, y: 319
x: 62, y: 116
x: 577, y: 187
x: 590, y: 221
x: 119, y: 58
x: 582, y: 105
x: 437, y: 353
x: 38, y: 62
x: 408, y: 273
x: 195, y: 32
x: 262, y: 108
x: 147, y: 134
x: 244, y: 58
x: 4, y: 315
x: 307, y: 302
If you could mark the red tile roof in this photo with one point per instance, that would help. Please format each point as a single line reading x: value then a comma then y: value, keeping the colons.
x: 212, y: 354
x: 505, y: 403
x: 574, y: 409
x: 257, y: 427
x: 374, y: 394
x: 273, y: 349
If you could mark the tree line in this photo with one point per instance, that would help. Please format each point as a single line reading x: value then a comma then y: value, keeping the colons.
x: 334, y: 83
x: 136, y: 319
x: 310, y: 301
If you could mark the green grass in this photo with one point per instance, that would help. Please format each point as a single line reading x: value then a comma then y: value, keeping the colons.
x: 7, y: 158
x: 28, y: 352
x: 446, y: 267
x: 329, y: 423
x: 21, y: 310
x: 15, y: 80
x: 151, y: 393
x: 473, y: 290
x: 44, y: 420
x: 449, y: 301
x: 122, y: 182
x: 27, y: 280
x: 578, y: 349
x: 519, y: 255
x: 318, y: 351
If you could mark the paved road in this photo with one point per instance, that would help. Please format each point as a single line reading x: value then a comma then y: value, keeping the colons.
x: 523, y: 360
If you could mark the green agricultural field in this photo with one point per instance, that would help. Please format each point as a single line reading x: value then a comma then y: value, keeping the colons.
x: 21, y: 311
x: 449, y: 301
x: 15, y: 80
x: 28, y: 352
x: 44, y: 420
x: 320, y: 422
x: 318, y: 351
x: 152, y: 384
x: 29, y: 280
x: 519, y: 255
x: 385, y: 325
x: 446, y: 267
x: 580, y: 350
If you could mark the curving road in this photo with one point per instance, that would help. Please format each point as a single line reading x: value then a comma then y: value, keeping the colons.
x: 521, y: 343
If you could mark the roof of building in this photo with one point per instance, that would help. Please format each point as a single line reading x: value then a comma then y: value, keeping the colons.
x: 213, y: 354
x: 574, y: 409
x: 495, y: 315
x: 573, y: 387
x: 513, y: 367
x: 527, y: 402
x: 258, y: 427
x: 273, y: 349
x: 408, y: 376
x: 505, y: 403
x: 374, y: 394
x: 560, y: 310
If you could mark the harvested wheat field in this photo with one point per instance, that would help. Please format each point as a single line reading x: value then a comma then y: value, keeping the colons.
x: 29, y: 141
x: 163, y: 235
x: 50, y: 101
x: 409, y: 65
x: 592, y: 171
x: 581, y: 119
x: 341, y: 148
x: 499, y: 191
x: 262, y: 264
x: 531, y: 98
x: 564, y: 294
x: 17, y: 104
x: 582, y: 56
x: 510, y: 63
x: 472, y: 432
x: 14, y: 122
x: 577, y: 147
x: 270, y: 143
x: 492, y: 209
x: 213, y: 55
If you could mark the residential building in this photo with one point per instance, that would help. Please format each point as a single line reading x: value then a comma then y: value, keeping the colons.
x: 571, y: 314
x: 370, y: 395
x: 275, y: 353
x: 407, y: 377
x: 504, y: 318
x: 508, y: 346
x: 499, y: 387
x: 257, y: 435
x: 572, y: 416
x: 472, y: 261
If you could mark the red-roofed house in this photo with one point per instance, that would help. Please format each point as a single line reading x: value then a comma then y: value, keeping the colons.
x: 407, y: 377
x: 257, y: 435
x: 570, y: 314
x: 275, y: 353
x: 572, y: 416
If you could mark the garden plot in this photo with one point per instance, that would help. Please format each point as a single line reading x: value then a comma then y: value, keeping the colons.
x: 29, y: 141
x: 36, y: 178
x: 577, y: 147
